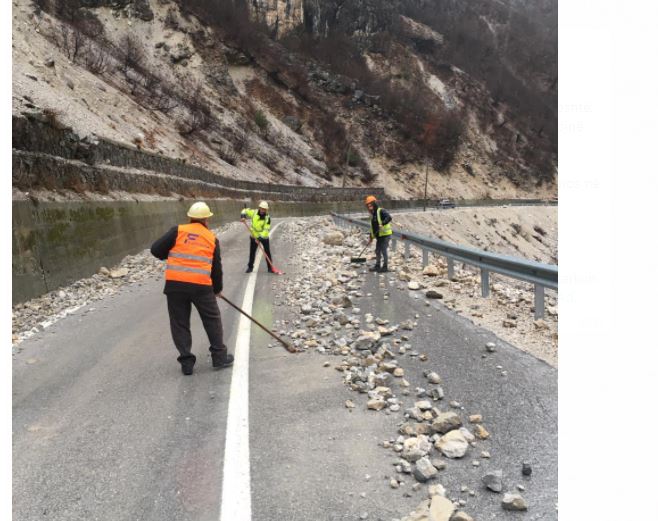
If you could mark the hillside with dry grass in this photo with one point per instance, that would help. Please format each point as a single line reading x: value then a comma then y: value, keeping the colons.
x: 306, y: 93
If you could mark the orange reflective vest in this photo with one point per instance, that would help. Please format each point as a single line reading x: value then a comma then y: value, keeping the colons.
x: 190, y: 260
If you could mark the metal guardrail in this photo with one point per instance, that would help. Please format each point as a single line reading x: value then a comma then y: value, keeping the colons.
x: 540, y: 274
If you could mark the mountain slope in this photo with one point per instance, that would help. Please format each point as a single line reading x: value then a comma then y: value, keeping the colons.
x: 301, y: 92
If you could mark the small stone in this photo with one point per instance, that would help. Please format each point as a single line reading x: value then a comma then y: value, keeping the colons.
x: 540, y: 324
x: 413, y: 285
x: 104, y: 271
x: 526, y: 469
x: 119, y: 273
x: 424, y: 470
x: 452, y: 445
x: 475, y: 418
x: 394, y: 483
x: 441, y: 509
x: 398, y: 372
x: 326, y: 364
x: 514, y: 502
x: 520, y: 487
x: 446, y: 421
x: 438, y: 463
x: 376, y: 404
x: 431, y: 271
x: 475, y: 463
x: 481, y: 432
x: 415, y: 448
x: 433, y: 378
x: 433, y: 294
x: 461, y: 516
x: 491, y: 347
x: 50, y: 62
x: 349, y: 404
x: 436, y: 490
x: 493, y: 480
x: 485, y: 454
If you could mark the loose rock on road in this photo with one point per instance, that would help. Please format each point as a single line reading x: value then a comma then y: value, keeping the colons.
x: 410, y: 414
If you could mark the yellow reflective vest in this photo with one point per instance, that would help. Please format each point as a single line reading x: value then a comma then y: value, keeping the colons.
x: 260, y: 226
x: 384, y: 229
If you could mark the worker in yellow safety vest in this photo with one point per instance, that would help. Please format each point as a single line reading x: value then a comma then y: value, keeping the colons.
x: 259, y: 226
x: 193, y: 276
x: 381, y: 231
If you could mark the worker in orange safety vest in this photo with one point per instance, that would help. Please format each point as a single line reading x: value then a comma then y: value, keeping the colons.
x: 193, y: 276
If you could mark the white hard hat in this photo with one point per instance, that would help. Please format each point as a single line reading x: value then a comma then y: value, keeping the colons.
x: 264, y: 205
x: 199, y: 210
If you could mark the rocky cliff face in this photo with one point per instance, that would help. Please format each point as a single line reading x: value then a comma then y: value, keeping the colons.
x: 281, y: 16
x: 321, y: 17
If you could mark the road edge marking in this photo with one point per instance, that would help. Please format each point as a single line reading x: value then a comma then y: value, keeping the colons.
x: 236, y: 476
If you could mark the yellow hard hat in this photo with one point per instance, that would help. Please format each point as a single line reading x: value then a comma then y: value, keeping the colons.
x: 264, y: 205
x: 199, y: 210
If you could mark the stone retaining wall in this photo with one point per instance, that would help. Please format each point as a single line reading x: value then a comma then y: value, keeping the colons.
x: 37, y: 138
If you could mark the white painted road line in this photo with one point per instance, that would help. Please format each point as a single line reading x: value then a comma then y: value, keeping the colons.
x: 236, y: 478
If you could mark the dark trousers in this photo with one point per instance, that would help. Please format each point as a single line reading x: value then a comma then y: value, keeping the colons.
x: 252, y: 252
x: 180, y: 308
x: 381, y: 250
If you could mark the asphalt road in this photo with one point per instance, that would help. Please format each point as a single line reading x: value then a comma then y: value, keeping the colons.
x: 105, y: 427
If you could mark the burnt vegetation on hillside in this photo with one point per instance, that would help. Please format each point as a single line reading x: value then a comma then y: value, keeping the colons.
x: 512, y: 52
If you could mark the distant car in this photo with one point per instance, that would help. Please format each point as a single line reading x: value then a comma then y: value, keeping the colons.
x: 446, y: 203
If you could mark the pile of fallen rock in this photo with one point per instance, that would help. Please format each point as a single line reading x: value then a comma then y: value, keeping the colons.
x: 371, y: 349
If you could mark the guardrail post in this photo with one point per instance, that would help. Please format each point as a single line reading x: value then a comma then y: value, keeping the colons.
x: 539, y: 301
x: 426, y: 256
x: 406, y: 250
x: 451, y: 269
x: 485, y: 282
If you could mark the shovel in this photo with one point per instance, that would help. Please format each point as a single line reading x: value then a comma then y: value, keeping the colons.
x: 359, y: 259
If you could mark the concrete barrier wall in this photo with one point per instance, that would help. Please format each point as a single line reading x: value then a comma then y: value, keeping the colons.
x: 54, y: 244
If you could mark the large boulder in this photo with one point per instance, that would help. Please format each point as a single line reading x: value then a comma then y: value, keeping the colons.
x: 334, y: 238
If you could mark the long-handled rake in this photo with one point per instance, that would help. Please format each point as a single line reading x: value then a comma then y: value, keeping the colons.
x: 359, y: 259
x: 285, y: 344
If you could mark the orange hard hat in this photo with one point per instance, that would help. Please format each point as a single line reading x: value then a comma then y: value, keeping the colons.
x: 371, y: 199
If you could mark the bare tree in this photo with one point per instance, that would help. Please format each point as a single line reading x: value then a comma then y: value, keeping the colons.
x: 198, y: 113
x: 96, y: 59
x: 71, y: 41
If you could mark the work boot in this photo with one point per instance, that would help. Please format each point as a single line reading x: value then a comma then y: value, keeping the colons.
x: 249, y: 270
x: 383, y: 269
x: 187, y: 367
x: 375, y: 268
x: 222, y: 359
